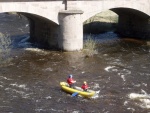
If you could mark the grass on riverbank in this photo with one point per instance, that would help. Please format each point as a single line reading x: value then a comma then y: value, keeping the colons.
x: 89, y: 47
x: 5, y: 48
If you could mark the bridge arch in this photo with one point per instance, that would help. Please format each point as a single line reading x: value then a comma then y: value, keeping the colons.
x: 43, y: 9
x: 119, y: 11
x: 131, y: 22
x: 42, y: 30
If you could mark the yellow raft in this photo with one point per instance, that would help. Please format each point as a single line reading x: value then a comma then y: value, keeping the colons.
x: 78, y: 90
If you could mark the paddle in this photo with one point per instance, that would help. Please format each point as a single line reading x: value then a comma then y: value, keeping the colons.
x: 74, y: 94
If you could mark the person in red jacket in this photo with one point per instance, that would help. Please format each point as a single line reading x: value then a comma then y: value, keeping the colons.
x: 71, y: 81
x: 84, y: 86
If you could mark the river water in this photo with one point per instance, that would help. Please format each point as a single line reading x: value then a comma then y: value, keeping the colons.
x: 29, y: 83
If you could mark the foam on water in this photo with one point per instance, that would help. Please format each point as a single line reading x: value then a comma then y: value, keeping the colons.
x: 5, y: 78
x: 123, y: 77
x: 144, y: 84
x: 37, y: 50
x: 49, y: 97
x: 23, y: 94
x: 23, y: 86
x: 122, y: 73
x: 108, y: 68
x: 96, y: 95
x: 96, y: 85
x: 75, y: 111
x: 143, y: 98
x: 125, y: 103
x: 14, y: 90
x: 48, y: 69
x: 56, y: 110
x: 39, y: 110
x: 132, y: 109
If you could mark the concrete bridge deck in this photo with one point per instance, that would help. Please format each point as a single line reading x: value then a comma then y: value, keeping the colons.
x: 60, y: 23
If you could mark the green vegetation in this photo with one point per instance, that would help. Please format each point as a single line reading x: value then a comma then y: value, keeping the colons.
x: 5, y: 43
x: 89, y: 46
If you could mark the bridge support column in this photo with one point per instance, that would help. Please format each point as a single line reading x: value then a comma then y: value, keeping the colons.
x: 71, y: 30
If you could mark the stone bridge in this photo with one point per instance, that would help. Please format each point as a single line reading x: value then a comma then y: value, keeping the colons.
x: 59, y: 23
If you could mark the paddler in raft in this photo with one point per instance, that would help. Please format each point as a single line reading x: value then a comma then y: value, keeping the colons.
x: 71, y: 81
x: 85, y: 86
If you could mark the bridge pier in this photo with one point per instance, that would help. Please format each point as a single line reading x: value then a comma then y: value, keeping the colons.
x: 71, y: 30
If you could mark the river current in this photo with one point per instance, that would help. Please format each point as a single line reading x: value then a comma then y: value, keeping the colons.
x: 29, y: 83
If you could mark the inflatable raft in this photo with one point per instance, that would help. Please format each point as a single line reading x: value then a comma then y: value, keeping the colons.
x: 78, y: 90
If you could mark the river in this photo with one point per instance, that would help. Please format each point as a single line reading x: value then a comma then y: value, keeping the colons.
x: 29, y: 83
